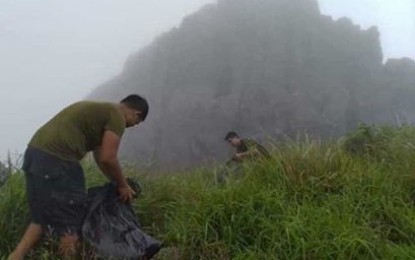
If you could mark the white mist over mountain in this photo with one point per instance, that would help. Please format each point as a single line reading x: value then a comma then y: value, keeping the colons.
x: 53, y: 53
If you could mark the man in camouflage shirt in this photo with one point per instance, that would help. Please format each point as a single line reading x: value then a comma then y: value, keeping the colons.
x: 246, y: 149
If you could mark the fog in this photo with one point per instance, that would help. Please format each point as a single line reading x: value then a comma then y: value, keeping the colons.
x: 55, y: 52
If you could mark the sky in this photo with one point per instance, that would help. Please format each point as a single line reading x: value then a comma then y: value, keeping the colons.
x: 394, y: 18
x: 54, y: 52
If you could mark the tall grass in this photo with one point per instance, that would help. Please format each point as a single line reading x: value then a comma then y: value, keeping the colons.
x: 352, y: 199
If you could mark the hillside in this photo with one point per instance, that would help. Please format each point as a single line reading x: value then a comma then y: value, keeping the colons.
x: 350, y: 199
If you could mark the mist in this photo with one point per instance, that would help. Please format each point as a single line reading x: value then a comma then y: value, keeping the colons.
x: 53, y: 53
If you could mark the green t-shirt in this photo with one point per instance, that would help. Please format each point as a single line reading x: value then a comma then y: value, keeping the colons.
x: 78, y: 129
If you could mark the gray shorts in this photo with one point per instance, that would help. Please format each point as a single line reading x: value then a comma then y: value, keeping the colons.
x: 55, y: 192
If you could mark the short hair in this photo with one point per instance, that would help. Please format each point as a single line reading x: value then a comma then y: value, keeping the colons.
x: 138, y: 103
x: 230, y: 134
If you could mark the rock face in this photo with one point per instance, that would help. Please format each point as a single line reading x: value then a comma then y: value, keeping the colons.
x: 264, y: 68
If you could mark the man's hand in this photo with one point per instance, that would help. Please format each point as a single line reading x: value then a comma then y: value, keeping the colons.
x: 106, y: 158
x: 126, y: 193
x: 237, y: 157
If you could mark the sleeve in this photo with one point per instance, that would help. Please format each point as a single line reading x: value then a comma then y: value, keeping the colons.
x: 115, y: 122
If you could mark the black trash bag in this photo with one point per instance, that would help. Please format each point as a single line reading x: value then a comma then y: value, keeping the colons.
x: 111, y: 226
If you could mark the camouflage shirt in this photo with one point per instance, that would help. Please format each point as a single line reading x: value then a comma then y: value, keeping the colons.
x: 249, y: 144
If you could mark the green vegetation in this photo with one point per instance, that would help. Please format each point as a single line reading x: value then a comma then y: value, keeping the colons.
x: 352, y: 199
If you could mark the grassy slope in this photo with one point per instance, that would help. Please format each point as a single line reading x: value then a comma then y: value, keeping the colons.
x: 313, y: 201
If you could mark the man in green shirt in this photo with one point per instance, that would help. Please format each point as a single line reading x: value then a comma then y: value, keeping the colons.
x: 55, y: 182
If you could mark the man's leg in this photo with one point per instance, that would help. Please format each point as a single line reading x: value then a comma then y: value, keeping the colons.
x: 32, y: 235
x: 68, y: 246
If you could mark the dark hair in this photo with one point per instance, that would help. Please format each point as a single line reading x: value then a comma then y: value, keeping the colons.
x: 230, y: 134
x: 138, y: 103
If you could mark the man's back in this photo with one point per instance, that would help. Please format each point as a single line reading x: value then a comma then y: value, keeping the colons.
x: 78, y: 129
x: 248, y: 144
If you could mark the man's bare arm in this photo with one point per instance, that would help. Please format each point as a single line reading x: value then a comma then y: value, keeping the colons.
x: 248, y: 154
x: 107, y: 160
x: 97, y: 153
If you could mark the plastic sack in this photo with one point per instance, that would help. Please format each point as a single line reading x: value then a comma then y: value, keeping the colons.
x: 111, y: 226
